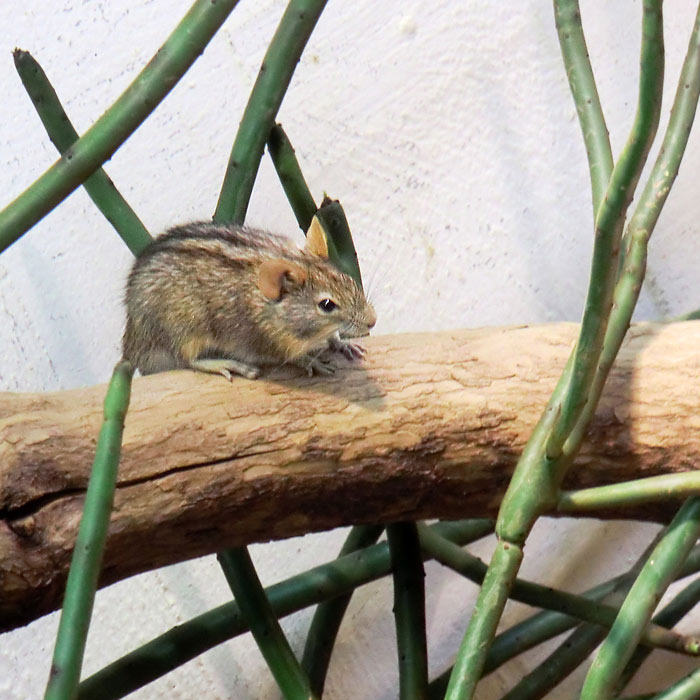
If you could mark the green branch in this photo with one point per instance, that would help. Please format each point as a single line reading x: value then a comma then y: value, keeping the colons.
x: 281, y: 58
x: 668, y: 617
x: 329, y: 614
x: 341, y: 249
x: 641, y: 225
x: 186, y: 641
x: 109, y: 132
x: 539, y: 596
x: 631, y: 493
x: 577, y: 647
x: 89, y: 545
x: 583, y: 89
x: 409, y: 610
x: 498, y: 582
x: 545, y: 625
x: 655, y: 577
x: 539, y: 472
x: 257, y: 611
x: 289, y: 173
x: 99, y: 186
x: 609, y: 224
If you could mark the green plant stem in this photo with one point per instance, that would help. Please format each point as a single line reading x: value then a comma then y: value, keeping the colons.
x: 576, y: 648
x: 471, y: 657
x: 539, y: 472
x: 409, y: 609
x: 526, y: 465
x: 642, y: 223
x: 104, y: 137
x: 536, y: 595
x: 583, y: 89
x: 659, y: 184
x: 99, y: 186
x: 281, y: 58
x: 668, y: 161
x: 328, y: 615
x: 630, y: 493
x: 192, y: 638
x: 341, y: 249
x: 668, y: 617
x: 257, y: 611
x: 655, y: 577
x: 609, y: 224
x: 546, y: 625
x: 538, y: 628
x: 89, y: 545
x: 558, y: 665
x: 287, y: 166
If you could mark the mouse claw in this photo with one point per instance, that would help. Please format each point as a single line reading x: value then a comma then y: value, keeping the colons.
x: 321, y: 367
x: 316, y: 366
x: 350, y: 350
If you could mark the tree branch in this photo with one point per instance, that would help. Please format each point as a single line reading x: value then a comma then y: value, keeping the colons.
x: 427, y: 423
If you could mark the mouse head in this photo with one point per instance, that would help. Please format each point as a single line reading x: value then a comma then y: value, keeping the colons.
x: 313, y: 297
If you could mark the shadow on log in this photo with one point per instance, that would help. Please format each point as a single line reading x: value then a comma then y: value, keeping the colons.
x: 428, y: 426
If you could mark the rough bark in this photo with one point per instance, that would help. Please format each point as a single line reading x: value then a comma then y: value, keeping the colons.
x: 427, y: 426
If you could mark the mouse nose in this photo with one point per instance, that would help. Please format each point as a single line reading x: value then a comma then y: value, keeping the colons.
x: 372, y: 319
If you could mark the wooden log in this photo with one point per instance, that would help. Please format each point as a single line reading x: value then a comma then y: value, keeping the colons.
x: 428, y: 426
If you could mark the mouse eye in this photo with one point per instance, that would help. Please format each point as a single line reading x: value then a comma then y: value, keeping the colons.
x: 327, y: 305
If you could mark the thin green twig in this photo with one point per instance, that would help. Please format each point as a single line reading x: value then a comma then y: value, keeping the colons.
x: 409, y: 609
x: 539, y: 596
x: 561, y: 663
x: 281, y: 58
x: 99, y: 186
x: 642, y: 223
x: 192, y: 638
x: 539, y: 472
x: 655, y: 577
x: 287, y: 166
x: 329, y: 614
x: 668, y: 617
x: 576, y: 648
x: 631, y: 493
x: 109, y: 132
x: 341, y: 249
x: 255, y: 606
x: 89, y: 545
x: 567, y: 16
x: 543, y: 626
x: 498, y: 582
x: 610, y: 219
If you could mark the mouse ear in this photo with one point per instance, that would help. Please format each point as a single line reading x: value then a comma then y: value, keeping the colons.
x: 316, y: 241
x: 276, y: 276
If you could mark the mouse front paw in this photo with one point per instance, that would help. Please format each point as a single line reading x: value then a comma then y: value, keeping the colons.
x: 353, y: 351
x: 316, y: 366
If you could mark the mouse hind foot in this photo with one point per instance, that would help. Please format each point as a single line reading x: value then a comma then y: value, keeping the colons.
x: 226, y: 367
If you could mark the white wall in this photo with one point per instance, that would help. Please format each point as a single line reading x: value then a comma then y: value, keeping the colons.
x: 448, y: 132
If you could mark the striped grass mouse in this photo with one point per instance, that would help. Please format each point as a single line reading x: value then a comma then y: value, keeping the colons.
x: 231, y: 300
